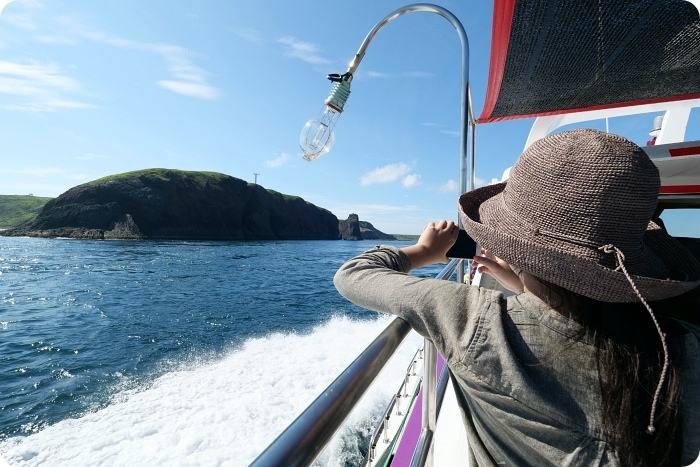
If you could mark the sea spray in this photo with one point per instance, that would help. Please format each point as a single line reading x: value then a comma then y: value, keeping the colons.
x: 226, y: 411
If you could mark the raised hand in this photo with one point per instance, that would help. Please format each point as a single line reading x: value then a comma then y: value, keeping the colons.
x: 433, y: 244
x: 498, y: 269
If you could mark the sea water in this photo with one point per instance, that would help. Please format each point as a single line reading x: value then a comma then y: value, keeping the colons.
x: 176, y: 353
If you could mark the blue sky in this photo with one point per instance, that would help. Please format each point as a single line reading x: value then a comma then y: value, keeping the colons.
x: 90, y: 89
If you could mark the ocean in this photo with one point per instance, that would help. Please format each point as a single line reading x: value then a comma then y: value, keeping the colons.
x: 149, y: 353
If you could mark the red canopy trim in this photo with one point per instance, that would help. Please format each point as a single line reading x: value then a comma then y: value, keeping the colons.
x: 484, y: 118
x: 500, y: 38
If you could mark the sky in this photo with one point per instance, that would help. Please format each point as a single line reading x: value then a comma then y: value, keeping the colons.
x: 91, y: 89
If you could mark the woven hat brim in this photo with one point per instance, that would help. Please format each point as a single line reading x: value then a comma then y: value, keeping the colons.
x: 568, y: 270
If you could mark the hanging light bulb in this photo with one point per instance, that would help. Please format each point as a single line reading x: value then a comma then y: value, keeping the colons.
x: 317, y: 136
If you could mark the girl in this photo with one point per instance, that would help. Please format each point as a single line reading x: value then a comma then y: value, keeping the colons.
x: 589, y: 363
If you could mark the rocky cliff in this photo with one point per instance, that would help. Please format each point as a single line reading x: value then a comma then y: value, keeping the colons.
x: 354, y: 229
x: 175, y: 204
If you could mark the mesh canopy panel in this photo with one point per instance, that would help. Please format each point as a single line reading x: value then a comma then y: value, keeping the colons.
x: 550, y: 56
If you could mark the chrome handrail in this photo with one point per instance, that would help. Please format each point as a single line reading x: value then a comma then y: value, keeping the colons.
x: 304, y: 439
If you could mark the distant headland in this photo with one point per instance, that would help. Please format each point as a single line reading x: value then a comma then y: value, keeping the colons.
x: 177, y: 204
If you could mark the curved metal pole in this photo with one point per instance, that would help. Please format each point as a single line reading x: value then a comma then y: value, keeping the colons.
x: 466, y: 166
x: 466, y: 163
x: 466, y: 183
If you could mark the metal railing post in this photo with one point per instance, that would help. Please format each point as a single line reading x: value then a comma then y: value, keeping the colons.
x: 429, y: 397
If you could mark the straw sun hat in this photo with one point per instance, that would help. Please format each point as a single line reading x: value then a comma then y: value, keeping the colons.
x: 576, y: 212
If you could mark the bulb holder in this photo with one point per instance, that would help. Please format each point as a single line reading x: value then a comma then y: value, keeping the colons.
x: 340, y: 92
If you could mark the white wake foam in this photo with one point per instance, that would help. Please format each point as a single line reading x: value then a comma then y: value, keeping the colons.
x: 225, y: 412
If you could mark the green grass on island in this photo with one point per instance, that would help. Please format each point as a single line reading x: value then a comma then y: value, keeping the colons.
x: 199, y: 177
x: 15, y: 209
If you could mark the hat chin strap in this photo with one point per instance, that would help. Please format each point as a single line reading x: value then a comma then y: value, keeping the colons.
x: 620, y: 258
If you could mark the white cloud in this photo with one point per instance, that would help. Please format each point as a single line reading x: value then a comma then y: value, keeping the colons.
x: 278, y: 161
x: 25, y: 79
x: 387, y: 174
x: 48, y: 106
x: 450, y: 186
x: 179, y: 62
x: 3, y: 4
x: 410, y: 180
x: 42, y: 87
x: 186, y: 77
x: 306, y: 51
x: 191, y: 80
x: 45, y: 87
x: 201, y: 91
x: 16, y: 16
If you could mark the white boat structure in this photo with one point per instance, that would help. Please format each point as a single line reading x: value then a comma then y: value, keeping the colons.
x: 564, y: 62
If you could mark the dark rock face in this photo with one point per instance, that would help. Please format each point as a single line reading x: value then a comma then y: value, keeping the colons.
x: 354, y: 229
x: 369, y: 232
x: 173, y: 204
x: 350, y: 228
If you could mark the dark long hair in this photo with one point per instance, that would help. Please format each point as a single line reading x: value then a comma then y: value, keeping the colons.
x: 630, y: 360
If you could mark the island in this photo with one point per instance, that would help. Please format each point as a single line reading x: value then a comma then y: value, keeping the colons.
x: 192, y: 205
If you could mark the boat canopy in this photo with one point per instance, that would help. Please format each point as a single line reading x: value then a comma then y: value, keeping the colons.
x: 551, y: 57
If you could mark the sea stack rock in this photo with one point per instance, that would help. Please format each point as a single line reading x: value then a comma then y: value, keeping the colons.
x: 354, y: 229
x: 350, y: 228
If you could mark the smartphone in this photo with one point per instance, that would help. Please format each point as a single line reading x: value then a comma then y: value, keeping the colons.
x: 464, y: 247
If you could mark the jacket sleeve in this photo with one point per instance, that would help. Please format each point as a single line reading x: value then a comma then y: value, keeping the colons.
x: 440, y: 310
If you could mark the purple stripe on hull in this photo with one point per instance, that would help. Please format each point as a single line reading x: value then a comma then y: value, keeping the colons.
x: 411, y: 434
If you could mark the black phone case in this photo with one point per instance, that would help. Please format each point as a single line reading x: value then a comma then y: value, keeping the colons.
x: 464, y: 247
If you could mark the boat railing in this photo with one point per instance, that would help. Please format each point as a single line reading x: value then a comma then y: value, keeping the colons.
x: 381, y: 432
x: 306, y: 437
